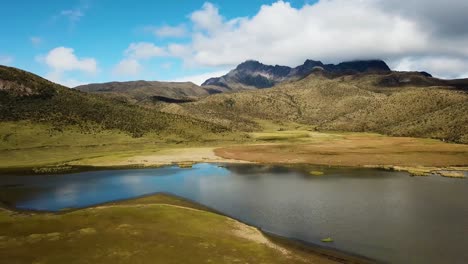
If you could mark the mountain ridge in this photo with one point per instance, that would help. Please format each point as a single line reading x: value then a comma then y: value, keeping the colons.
x: 396, y: 104
x: 254, y: 74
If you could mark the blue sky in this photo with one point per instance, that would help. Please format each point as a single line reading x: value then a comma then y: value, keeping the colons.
x: 83, y: 41
x: 103, y: 30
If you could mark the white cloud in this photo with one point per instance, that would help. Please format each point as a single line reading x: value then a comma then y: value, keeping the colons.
x: 403, y: 33
x: 171, y: 31
x: 200, y: 78
x: 6, y: 60
x: 58, y: 77
x: 282, y: 34
x: 179, y: 50
x: 128, y: 67
x: 445, y: 67
x: 36, y: 41
x: 331, y: 31
x: 144, y: 50
x: 62, y: 60
x: 207, y: 19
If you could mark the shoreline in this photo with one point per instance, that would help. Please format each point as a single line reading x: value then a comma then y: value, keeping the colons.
x: 329, y: 253
x: 419, y: 157
x: 458, y: 172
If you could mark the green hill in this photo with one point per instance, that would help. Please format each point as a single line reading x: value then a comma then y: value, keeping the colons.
x: 44, y: 123
x: 24, y: 96
x: 149, y: 92
x: 410, y: 105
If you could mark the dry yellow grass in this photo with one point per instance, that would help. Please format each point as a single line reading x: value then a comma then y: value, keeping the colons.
x: 356, y: 150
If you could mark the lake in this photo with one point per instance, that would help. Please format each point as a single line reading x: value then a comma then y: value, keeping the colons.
x: 384, y: 215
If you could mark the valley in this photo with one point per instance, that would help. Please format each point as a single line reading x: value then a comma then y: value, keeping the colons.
x: 216, y: 131
x: 328, y: 127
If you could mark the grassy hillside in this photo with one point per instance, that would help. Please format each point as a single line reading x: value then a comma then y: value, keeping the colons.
x: 360, y: 103
x: 43, y: 123
x: 153, y: 229
x: 148, y: 92
x: 25, y: 96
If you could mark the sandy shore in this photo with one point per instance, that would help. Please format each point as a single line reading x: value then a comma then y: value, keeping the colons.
x: 160, y: 158
x: 412, y: 159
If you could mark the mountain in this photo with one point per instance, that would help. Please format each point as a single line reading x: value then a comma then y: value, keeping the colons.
x: 246, y: 76
x: 253, y: 74
x: 393, y: 103
x: 28, y: 97
x: 142, y: 92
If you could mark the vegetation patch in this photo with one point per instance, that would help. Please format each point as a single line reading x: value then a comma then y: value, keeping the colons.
x: 152, y: 229
x: 356, y: 103
x: 185, y: 165
x: 316, y: 173
x: 354, y: 149
x: 52, y: 169
x: 452, y: 174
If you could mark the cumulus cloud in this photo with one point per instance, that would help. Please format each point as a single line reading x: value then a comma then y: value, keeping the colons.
x: 130, y: 65
x: 416, y: 35
x: 445, y: 67
x: 405, y: 33
x: 327, y: 30
x: 207, y: 19
x: 179, y: 50
x: 6, y: 59
x: 127, y: 67
x: 144, y: 50
x: 61, y: 60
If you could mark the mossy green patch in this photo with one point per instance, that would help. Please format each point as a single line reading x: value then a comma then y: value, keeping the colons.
x: 316, y: 173
x: 156, y: 229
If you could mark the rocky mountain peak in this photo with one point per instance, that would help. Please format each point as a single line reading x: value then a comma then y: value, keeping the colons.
x: 254, y: 74
x: 364, y: 66
x: 311, y: 63
x: 250, y: 65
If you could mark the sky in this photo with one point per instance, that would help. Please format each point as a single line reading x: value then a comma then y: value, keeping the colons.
x: 85, y: 41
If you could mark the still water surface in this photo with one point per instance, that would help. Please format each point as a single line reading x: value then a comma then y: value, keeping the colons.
x: 387, y: 216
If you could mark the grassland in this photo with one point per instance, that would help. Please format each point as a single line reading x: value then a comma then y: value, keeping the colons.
x: 352, y: 103
x: 355, y: 149
x: 154, y: 229
x: 26, y: 144
x: 47, y: 127
x: 40, y: 149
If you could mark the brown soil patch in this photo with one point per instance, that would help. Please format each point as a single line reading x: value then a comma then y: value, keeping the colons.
x: 356, y: 150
